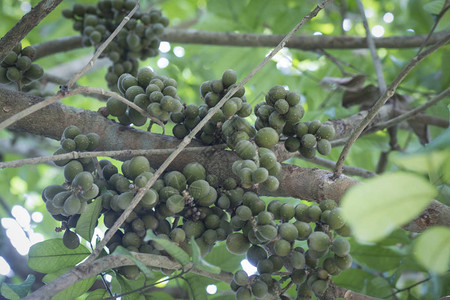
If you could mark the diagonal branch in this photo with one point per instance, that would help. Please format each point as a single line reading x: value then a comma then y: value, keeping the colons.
x: 25, y: 25
x: 381, y: 101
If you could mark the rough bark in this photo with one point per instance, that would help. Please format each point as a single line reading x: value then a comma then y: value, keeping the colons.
x: 302, y: 42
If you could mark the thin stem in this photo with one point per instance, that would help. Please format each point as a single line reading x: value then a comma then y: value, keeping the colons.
x: 408, y: 287
x: 77, y: 155
x: 381, y: 101
x: 102, y: 47
x: 412, y: 112
x: 373, y: 50
x: 192, y: 134
x: 438, y: 18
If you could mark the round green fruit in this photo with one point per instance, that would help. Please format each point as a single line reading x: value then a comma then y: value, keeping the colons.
x: 266, y: 137
x: 318, y: 241
x: 70, y: 239
x: 237, y: 243
x: 341, y: 247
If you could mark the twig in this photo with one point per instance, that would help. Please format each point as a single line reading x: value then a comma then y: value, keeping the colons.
x: 381, y: 101
x: 25, y: 25
x: 412, y: 112
x: 438, y: 18
x: 102, y: 47
x: 373, y: 50
x: 192, y: 134
x: 409, y: 287
x: 302, y: 42
x: 77, y: 155
x: 79, y: 90
x: 348, y: 170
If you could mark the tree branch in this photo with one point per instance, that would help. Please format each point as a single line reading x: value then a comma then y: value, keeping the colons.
x: 24, y: 26
x: 88, y: 269
x: 302, y: 42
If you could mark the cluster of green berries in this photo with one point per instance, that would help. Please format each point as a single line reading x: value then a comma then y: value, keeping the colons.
x: 67, y: 201
x: 153, y: 93
x: 139, y: 39
x: 275, y: 241
x: 17, y: 67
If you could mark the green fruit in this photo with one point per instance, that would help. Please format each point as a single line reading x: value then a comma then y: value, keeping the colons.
x: 70, y: 239
x: 298, y: 276
x: 329, y: 264
x: 72, y: 205
x: 34, y: 72
x: 94, y: 141
x: 303, y: 229
x: 267, y: 232
x: 255, y: 254
x: 240, y: 278
x: 341, y: 247
x: 292, y: 144
x: 264, y: 218
x: 275, y: 93
x: 90, y: 193
x: 287, y: 212
x: 144, y: 76
x: 180, y: 131
x: 68, y: 145
x: 124, y: 200
x: 309, y: 141
x: 3, y: 78
x: 301, y: 212
x: 82, y: 142
x: 314, y: 213
x: 72, y: 169
x: 176, y: 180
x: 209, y: 237
x: 229, y: 78
x: 95, y: 37
x: 13, y: 74
x: 175, y: 203
x: 115, y: 107
x: 309, y: 153
x: 266, y: 137
x: 133, y: 91
x: 229, y: 183
x: 282, y: 247
x: 209, y: 199
x: 267, y: 160
x: 237, y: 243
x: 10, y: 59
x: 137, y: 166
x: 199, y: 189
x: 281, y: 106
x: 277, y: 121
x: 259, y: 175
x: 244, y: 213
x: 294, y: 114
x: 300, y: 129
x: 271, y: 184
x: 265, y: 266
x: 245, y: 149
x: 327, y: 204
x: 150, y: 199
x: 194, y: 229
x: 344, y: 231
x: 296, y: 260
x: 319, y: 287
x: 131, y: 239
x: 318, y: 241
x: 324, y: 147
x: 178, y: 235
x: 83, y: 180
x: 59, y: 199
x: 288, y: 231
x: 293, y: 98
x: 23, y: 63
x: 243, y: 293
x: 335, y: 219
x: 325, y: 132
x: 50, y: 191
x: 274, y: 208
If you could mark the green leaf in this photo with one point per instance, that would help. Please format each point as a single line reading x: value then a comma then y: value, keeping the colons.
x: 432, y: 249
x: 363, y: 282
x: 130, y: 285
x: 51, y: 255
x: 147, y: 272
x: 376, y: 257
x: 97, y: 294
x: 8, y: 292
x: 434, y: 7
x: 199, y: 262
x: 380, y: 205
x: 196, y: 288
x: 21, y: 290
x: 176, y: 252
x: 88, y: 220
x: 75, y: 290
x: 220, y: 256
x: 445, y: 77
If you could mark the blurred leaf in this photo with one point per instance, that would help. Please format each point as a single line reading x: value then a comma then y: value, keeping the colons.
x: 51, y: 255
x: 199, y: 262
x: 220, y: 256
x: 75, y: 290
x: 123, y: 251
x: 97, y: 294
x: 376, y: 257
x: 197, y: 289
x: 432, y: 249
x: 20, y: 290
x: 434, y: 7
x: 363, y: 282
x: 88, y: 220
x: 176, y: 252
x: 445, y: 77
x: 381, y: 204
x: 130, y: 285
x: 354, y: 83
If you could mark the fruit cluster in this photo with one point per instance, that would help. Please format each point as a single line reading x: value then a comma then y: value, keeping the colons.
x: 67, y: 201
x: 18, y: 67
x: 153, y: 93
x: 278, y: 249
x: 139, y: 39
